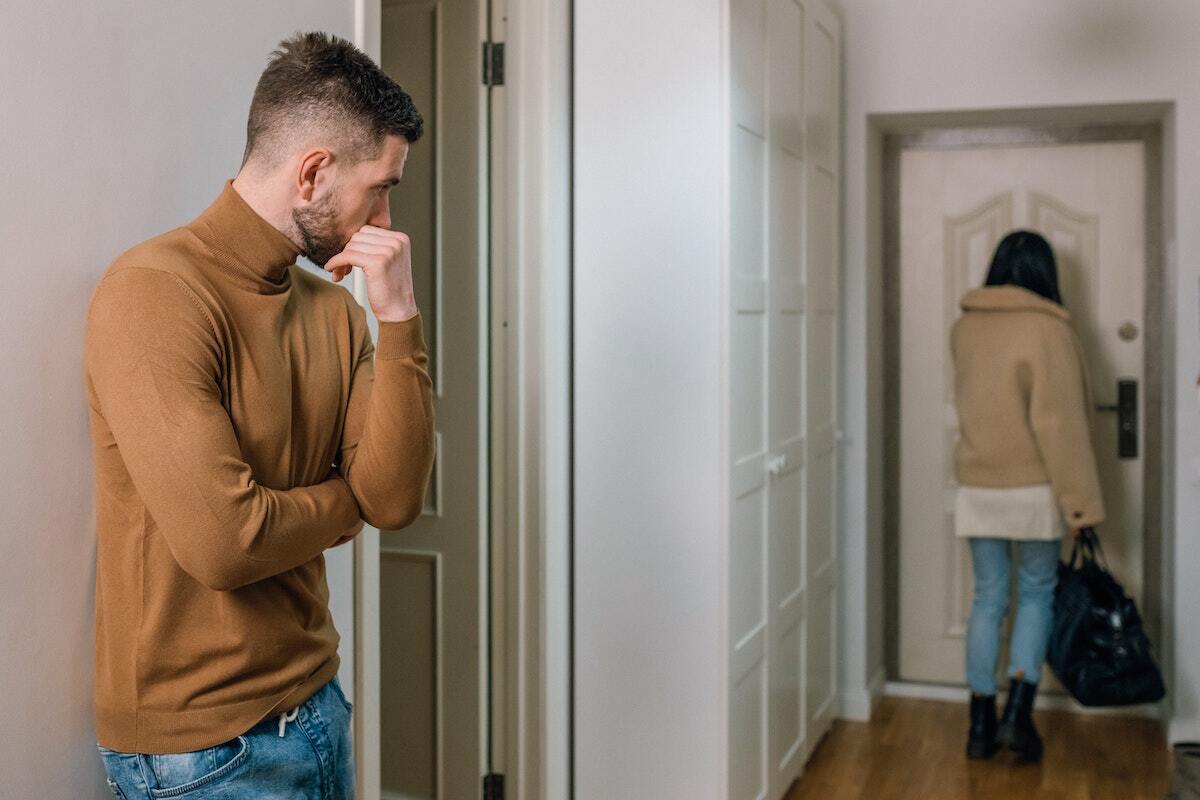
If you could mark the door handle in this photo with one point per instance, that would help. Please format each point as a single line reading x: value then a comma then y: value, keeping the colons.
x: 1127, y: 419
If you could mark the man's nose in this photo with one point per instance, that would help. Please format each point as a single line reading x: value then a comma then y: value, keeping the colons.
x: 381, y: 217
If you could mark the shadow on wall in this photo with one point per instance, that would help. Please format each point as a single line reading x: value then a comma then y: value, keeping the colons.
x: 1107, y: 34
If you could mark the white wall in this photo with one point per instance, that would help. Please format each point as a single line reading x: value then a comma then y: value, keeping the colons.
x: 649, y: 179
x: 119, y: 120
x: 951, y: 55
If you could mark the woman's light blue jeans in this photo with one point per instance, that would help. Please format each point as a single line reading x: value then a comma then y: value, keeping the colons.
x: 312, y: 760
x: 1037, y: 576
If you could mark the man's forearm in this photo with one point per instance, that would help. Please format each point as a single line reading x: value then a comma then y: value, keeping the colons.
x: 389, y: 464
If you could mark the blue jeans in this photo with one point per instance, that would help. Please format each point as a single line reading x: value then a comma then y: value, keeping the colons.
x: 1036, y: 578
x: 313, y: 760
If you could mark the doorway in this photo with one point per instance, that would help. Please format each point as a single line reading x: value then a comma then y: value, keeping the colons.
x: 950, y: 195
x: 489, y: 619
x: 435, y: 631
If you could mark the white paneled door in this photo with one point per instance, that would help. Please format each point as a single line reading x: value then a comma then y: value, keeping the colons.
x: 784, y: 161
x: 433, y: 575
x: 822, y: 369
x: 1088, y: 200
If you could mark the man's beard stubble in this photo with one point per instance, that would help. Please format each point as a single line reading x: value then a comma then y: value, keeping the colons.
x: 317, y: 225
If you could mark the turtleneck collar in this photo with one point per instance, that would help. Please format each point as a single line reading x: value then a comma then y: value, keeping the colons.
x: 1011, y: 298
x: 253, y: 251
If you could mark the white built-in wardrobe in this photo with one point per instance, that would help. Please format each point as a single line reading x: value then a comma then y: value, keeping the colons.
x: 783, y: 305
x: 705, y: 405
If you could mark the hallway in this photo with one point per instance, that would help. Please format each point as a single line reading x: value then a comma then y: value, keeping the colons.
x: 687, y: 273
x: 914, y: 749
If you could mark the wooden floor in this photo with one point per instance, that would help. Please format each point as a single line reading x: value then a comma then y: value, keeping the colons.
x: 914, y: 750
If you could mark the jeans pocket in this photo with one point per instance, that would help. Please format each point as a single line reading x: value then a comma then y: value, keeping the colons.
x: 337, y: 687
x: 176, y: 774
x: 112, y: 761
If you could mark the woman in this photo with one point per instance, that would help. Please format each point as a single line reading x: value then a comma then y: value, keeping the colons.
x: 1026, y: 473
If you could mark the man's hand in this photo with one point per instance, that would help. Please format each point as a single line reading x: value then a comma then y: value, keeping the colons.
x: 350, y: 534
x: 385, y: 257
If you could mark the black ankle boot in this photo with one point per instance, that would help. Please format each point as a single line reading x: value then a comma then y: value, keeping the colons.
x: 1016, y: 730
x: 981, y: 739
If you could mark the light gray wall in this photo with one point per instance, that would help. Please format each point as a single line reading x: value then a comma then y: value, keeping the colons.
x: 649, y: 557
x: 118, y: 120
x: 954, y: 56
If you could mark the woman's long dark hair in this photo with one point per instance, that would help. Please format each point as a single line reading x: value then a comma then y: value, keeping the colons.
x: 1024, y: 258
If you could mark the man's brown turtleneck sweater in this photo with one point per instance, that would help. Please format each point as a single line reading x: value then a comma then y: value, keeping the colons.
x: 241, y: 421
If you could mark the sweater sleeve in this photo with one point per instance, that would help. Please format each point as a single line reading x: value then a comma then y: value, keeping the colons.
x: 153, y: 360
x: 1059, y: 415
x: 387, y: 447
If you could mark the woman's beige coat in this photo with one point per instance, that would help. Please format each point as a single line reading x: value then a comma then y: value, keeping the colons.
x: 1023, y: 401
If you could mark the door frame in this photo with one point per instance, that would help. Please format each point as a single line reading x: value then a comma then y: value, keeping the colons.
x: 1035, y: 127
x: 530, y: 355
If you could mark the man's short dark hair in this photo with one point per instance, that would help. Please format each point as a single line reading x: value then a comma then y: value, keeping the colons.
x: 320, y: 86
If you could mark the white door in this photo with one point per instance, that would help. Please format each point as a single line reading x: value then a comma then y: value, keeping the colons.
x: 783, y: 289
x: 822, y: 371
x: 1087, y: 199
x: 433, y: 575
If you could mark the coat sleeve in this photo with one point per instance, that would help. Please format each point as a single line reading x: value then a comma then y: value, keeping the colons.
x: 387, y: 446
x: 1060, y: 414
x: 153, y: 360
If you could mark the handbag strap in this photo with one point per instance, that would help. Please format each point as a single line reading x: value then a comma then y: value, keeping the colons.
x: 1087, y: 547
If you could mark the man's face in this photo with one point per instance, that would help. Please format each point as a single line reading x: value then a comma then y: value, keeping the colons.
x: 357, y: 196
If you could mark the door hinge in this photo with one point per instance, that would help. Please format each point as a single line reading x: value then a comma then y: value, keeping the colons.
x: 493, y: 787
x: 493, y: 64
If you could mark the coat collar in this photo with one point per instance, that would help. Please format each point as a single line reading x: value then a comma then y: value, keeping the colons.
x: 1011, y: 298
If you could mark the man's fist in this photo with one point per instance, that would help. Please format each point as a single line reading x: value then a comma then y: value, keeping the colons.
x: 385, y: 257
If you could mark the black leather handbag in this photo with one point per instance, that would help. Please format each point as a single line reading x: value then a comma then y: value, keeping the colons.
x: 1098, y: 648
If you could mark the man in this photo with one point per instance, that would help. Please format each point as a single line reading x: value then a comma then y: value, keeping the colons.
x: 243, y: 422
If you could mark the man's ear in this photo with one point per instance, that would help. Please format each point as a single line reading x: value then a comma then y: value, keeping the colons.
x: 312, y: 172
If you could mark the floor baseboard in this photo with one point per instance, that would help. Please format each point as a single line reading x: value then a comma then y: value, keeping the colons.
x: 859, y: 704
x: 1046, y: 702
